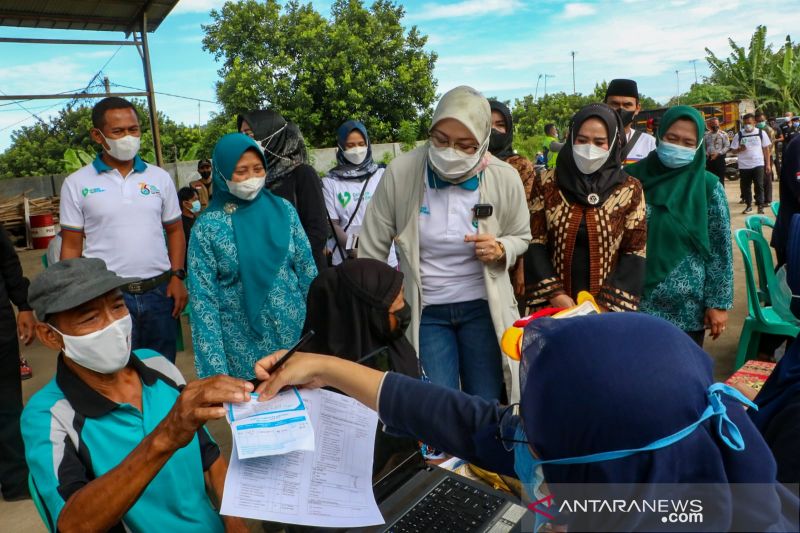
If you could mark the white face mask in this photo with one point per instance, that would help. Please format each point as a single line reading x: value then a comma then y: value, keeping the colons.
x: 355, y: 155
x: 105, y: 351
x: 589, y: 158
x: 748, y: 127
x: 123, y: 149
x: 247, y: 189
x: 451, y: 164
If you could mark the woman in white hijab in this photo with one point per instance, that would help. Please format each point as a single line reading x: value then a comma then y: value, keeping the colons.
x: 459, y: 218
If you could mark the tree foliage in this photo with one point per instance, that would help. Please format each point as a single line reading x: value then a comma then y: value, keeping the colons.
x: 701, y: 93
x: 770, y: 78
x: 44, y: 148
x: 318, y: 73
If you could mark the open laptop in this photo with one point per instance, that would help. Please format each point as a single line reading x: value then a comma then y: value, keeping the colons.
x: 415, y: 497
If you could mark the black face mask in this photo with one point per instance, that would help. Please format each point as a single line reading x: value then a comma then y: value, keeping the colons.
x: 205, y: 174
x: 626, y: 116
x: 403, y: 316
x: 497, y: 140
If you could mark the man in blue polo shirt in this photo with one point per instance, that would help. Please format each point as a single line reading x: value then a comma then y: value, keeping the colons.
x: 116, y: 441
x: 123, y: 207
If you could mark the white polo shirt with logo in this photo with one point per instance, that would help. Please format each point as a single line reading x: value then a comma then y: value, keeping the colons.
x: 123, y: 218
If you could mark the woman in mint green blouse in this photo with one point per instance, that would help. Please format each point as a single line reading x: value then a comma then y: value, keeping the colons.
x: 250, y: 266
x: 689, y: 273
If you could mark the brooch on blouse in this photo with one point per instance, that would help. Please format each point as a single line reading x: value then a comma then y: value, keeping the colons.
x: 230, y: 208
x: 593, y: 199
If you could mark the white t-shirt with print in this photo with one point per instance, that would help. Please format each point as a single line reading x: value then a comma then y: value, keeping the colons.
x: 449, y: 270
x: 341, y: 198
x: 754, y: 142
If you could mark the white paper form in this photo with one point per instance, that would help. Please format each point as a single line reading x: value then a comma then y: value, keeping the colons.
x: 280, y: 425
x: 329, y: 487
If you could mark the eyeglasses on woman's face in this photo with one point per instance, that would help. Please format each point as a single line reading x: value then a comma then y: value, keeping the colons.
x: 440, y: 140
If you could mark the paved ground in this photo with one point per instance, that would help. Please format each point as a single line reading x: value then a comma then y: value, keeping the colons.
x: 22, y: 517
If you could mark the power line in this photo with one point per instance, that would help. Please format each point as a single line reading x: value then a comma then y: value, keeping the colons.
x: 168, y: 94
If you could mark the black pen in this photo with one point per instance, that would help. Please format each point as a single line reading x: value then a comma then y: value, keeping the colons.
x: 280, y: 362
x: 372, y: 354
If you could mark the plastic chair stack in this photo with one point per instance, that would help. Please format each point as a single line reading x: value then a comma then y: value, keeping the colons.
x: 761, y: 318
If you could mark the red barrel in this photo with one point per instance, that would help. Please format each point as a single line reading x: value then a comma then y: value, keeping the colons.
x: 42, y: 230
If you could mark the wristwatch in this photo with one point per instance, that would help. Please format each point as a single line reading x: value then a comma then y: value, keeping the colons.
x: 180, y: 274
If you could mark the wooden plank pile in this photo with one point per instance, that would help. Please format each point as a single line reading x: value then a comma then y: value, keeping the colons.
x: 12, y: 210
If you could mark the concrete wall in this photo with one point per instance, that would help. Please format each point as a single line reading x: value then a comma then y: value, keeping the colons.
x: 183, y: 172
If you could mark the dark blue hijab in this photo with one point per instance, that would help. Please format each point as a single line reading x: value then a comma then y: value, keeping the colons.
x: 783, y: 385
x: 260, y: 226
x: 620, y: 381
x: 346, y: 170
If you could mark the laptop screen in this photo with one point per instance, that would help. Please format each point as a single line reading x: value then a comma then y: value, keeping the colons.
x: 394, y: 478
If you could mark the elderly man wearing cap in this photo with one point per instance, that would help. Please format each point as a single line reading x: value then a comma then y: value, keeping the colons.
x: 116, y: 441
x: 623, y: 95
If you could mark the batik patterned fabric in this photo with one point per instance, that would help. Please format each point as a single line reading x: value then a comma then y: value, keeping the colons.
x: 224, y: 342
x: 617, y: 238
x: 696, y: 284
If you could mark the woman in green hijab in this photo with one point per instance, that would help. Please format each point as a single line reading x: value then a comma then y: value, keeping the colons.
x: 689, y: 275
x: 250, y: 266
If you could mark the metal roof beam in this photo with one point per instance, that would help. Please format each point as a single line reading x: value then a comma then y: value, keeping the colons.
x: 23, y: 40
x: 66, y: 96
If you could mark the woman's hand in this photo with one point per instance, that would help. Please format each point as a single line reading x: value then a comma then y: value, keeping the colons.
x: 487, y: 249
x: 716, y: 320
x: 562, y: 300
x: 302, y: 369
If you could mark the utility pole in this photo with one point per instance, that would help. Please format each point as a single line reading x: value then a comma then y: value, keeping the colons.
x: 677, y: 87
x: 107, y: 84
x: 536, y: 92
x: 573, y: 71
x: 545, y: 82
x: 198, y: 116
x: 694, y: 65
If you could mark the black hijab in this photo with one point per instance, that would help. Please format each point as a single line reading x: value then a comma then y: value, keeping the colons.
x: 348, y: 309
x: 501, y: 144
x: 579, y: 187
x: 283, y: 144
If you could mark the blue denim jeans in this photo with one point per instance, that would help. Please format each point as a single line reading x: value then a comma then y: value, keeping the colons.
x: 457, y: 343
x: 153, y: 325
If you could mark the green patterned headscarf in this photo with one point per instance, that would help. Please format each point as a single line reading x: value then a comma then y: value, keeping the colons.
x: 260, y: 226
x: 678, y: 199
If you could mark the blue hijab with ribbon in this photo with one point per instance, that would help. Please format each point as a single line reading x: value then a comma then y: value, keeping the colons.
x: 783, y: 385
x: 346, y: 170
x: 261, y: 226
x: 620, y: 382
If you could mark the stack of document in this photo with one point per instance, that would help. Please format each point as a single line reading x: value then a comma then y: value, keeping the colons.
x: 326, y: 485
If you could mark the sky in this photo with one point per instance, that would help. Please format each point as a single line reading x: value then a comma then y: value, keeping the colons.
x: 501, y: 47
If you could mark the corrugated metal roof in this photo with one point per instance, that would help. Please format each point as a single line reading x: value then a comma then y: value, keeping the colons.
x: 100, y: 15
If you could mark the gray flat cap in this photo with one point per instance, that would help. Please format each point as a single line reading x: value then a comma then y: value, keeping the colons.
x: 70, y: 283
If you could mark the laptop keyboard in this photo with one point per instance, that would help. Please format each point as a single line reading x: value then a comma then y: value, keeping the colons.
x: 451, y: 506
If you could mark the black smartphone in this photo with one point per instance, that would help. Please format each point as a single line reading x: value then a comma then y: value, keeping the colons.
x: 483, y: 210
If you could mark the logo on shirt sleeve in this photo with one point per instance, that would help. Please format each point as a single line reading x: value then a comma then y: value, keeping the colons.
x: 145, y: 189
x: 86, y: 191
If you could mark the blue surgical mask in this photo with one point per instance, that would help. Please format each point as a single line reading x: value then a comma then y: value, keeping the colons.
x: 675, y: 156
x: 196, y: 206
x: 725, y: 427
x: 529, y: 474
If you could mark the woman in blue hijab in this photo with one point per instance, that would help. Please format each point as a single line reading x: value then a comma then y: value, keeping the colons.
x: 349, y: 187
x: 250, y: 266
x: 623, y: 400
x: 778, y: 415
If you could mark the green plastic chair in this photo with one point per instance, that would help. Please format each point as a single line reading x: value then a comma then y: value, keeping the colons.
x: 775, y: 206
x: 757, y: 223
x: 40, y: 508
x: 761, y: 318
x: 44, y: 261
